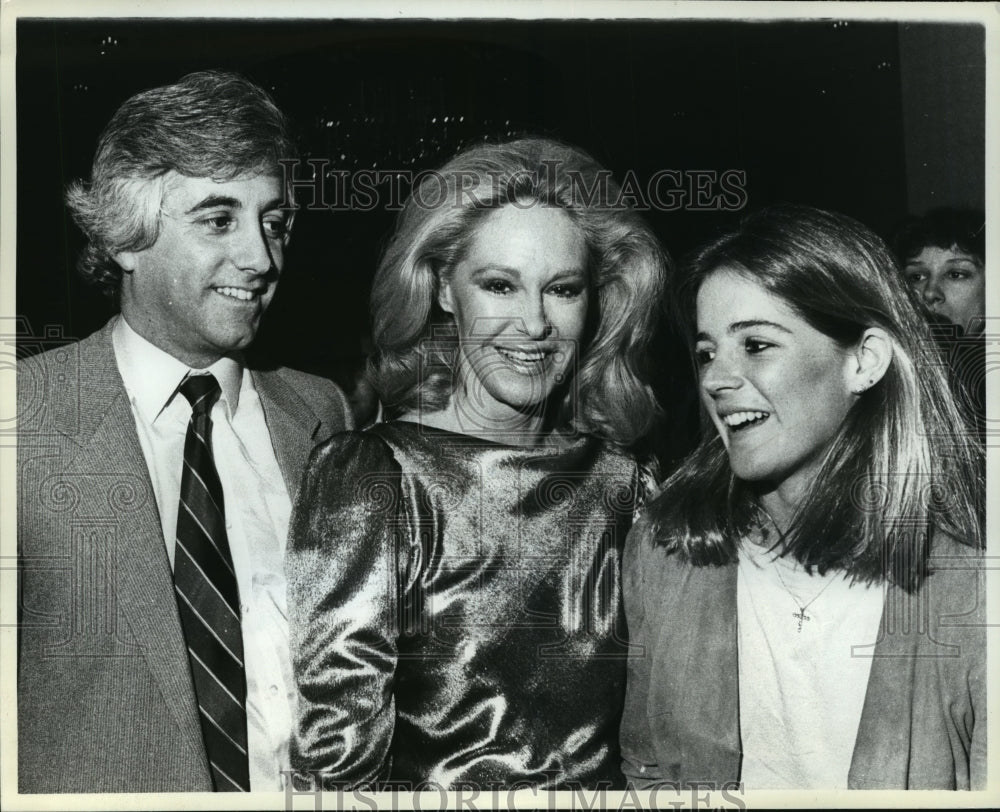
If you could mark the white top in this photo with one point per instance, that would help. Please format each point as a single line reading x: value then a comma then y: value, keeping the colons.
x: 801, y: 692
x: 257, y: 510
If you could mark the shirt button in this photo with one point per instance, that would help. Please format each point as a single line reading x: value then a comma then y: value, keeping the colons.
x: 274, y: 690
x: 245, y: 608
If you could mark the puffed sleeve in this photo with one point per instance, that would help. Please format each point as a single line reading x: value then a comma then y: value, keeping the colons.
x: 347, y: 545
x: 639, y: 762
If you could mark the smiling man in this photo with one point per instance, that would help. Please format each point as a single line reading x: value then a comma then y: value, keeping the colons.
x: 157, y: 469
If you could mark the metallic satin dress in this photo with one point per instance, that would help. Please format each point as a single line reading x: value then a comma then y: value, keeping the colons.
x: 456, y: 611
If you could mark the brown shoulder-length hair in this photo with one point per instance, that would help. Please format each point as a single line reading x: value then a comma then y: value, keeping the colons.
x: 900, y: 468
x: 610, y: 397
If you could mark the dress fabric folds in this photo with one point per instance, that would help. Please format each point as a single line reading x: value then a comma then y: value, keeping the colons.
x: 456, y: 611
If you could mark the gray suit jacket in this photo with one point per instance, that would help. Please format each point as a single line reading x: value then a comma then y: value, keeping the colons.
x: 105, y: 698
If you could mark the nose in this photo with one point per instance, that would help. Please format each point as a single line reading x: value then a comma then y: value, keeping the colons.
x: 720, y: 376
x: 251, y: 251
x: 932, y: 293
x: 535, y: 320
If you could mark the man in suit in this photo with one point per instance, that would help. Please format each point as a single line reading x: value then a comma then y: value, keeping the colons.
x: 156, y: 470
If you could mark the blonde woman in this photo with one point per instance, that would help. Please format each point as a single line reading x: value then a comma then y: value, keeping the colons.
x: 455, y: 571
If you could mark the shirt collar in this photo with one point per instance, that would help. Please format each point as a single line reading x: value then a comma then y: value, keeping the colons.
x: 151, y: 375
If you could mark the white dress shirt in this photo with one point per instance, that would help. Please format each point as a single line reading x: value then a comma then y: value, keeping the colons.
x: 257, y: 509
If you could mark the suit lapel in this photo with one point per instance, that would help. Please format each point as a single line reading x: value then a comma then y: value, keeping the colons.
x: 291, y: 423
x: 110, y: 448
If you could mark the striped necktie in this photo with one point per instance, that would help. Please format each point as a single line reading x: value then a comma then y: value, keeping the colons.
x: 208, y: 598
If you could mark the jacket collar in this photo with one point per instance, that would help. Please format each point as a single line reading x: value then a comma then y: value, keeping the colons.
x: 292, y: 424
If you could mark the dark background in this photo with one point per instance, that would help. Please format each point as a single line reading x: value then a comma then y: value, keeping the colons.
x: 874, y: 119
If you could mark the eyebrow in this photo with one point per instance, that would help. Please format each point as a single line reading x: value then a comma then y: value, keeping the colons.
x: 736, y: 326
x: 516, y: 273
x: 226, y: 202
x: 215, y: 201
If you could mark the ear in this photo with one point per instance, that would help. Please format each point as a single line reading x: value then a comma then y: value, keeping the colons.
x: 869, y: 360
x: 444, y: 295
x: 126, y: 259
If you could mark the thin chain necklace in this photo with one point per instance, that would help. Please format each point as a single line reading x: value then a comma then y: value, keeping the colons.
x: 801, y: 615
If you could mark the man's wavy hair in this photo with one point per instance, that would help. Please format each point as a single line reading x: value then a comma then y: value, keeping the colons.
x: 899, y: 470
x: 627, y: 269
x: 209, y: 124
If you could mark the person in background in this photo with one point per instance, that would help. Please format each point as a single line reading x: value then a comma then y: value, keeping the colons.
x: 156, y: 468
x: 943, y: 255
x: 455, y: 571
x: 808, y: 586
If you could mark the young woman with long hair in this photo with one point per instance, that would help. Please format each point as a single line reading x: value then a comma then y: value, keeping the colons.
x: 806, y: 590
